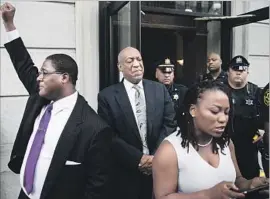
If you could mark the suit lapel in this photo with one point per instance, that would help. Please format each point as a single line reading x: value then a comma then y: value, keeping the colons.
x: 30, y: 118
x: 124, y: 103
x: 64, y: 145
x: 150, y: 97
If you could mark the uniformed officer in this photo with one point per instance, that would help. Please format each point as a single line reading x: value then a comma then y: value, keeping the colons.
x: 215, y: 71
x: 245, y: 121
x: 165, y: 75
x: 265, y: 101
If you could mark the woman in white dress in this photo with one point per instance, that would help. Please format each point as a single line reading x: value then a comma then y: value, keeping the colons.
x: 199, y: 162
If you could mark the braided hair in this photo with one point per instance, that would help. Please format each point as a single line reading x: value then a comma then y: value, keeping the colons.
x: 185, y: 121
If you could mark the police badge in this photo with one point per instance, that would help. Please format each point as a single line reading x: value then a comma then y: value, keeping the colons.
x: 175, y: 97
x: 249, y: 102
x: 238, y: 60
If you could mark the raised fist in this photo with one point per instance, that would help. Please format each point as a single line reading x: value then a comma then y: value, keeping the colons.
x: 8, y: 12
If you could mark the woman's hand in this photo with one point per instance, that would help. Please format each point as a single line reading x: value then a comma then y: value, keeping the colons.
x: 224, y: 190
x: 259, y: 181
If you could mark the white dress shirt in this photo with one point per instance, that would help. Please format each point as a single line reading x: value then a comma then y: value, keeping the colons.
x: 60, y: 114
x: 131, y: 95
x: 12, y: 35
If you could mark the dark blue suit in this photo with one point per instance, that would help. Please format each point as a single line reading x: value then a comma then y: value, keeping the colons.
x: 114, y: 106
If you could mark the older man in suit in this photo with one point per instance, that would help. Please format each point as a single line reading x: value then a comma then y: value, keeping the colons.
x: 62, y: 147
x: 141, y: 113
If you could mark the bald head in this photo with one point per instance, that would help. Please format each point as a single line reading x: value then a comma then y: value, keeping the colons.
x: 125, y: 52
x: 130, y: 64
x: 213, y: 54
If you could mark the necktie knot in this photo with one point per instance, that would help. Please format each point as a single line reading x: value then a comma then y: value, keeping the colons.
x: 137, y: 93
x: 49, y: 107
x: 136, y: 87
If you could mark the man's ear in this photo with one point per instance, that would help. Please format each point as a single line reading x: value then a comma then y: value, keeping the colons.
x: 65, y: 78
x: 119, y: 67
x: 192, y: 110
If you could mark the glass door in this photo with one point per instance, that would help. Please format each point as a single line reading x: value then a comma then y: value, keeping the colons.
x: 125, y: 30
x: 120, y: 27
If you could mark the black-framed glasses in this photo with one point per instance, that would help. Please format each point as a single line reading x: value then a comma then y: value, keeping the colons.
x: 45, y: 73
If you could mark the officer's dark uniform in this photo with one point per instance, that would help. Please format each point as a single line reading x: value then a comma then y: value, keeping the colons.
x: 265, y: 97
x: 207, y: 76
x: 265, y: 100
x: 245, y: 122
x: 176, y: 91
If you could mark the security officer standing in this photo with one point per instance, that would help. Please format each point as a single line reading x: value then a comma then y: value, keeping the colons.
x: 165, y: 75
x: 215, y: 71
x: 265, y: 101
x: 245, y: 120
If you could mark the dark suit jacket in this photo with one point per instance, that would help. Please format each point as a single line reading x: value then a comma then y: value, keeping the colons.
x: 114, y: 107
x: 86, y: 138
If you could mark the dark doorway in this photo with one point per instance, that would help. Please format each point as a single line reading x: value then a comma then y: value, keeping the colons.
x: 159, y: 32
x: 158, y: 45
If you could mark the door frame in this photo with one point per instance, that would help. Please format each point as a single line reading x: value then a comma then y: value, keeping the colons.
x: 108, y: 71
x: 227, y: 26
x: 109, y: 74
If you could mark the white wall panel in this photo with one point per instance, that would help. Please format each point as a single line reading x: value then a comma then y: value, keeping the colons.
x: 5, y: 151
x: 45, y: 24
x: 259, y: 70
x: 12, y: 109
x: 255, y: 5
x: 10, y: 185
x: 87, y: 50
x: 258, y: 39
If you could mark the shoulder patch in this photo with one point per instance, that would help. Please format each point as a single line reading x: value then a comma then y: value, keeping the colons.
x: 266, y: 97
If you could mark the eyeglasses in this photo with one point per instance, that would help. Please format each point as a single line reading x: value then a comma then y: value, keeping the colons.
x: 45, y: 73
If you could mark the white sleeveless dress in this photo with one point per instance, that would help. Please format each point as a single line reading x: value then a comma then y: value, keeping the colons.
x: 194, y: 173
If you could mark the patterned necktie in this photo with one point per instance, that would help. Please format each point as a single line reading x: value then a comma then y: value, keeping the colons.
x: 34, y: 153
x: 141, y: 116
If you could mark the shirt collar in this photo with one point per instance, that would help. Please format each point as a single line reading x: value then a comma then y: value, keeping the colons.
x: 66, y: 102
x: 129, y: 85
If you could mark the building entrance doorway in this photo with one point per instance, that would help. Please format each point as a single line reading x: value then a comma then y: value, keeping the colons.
x: 156, y: 46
